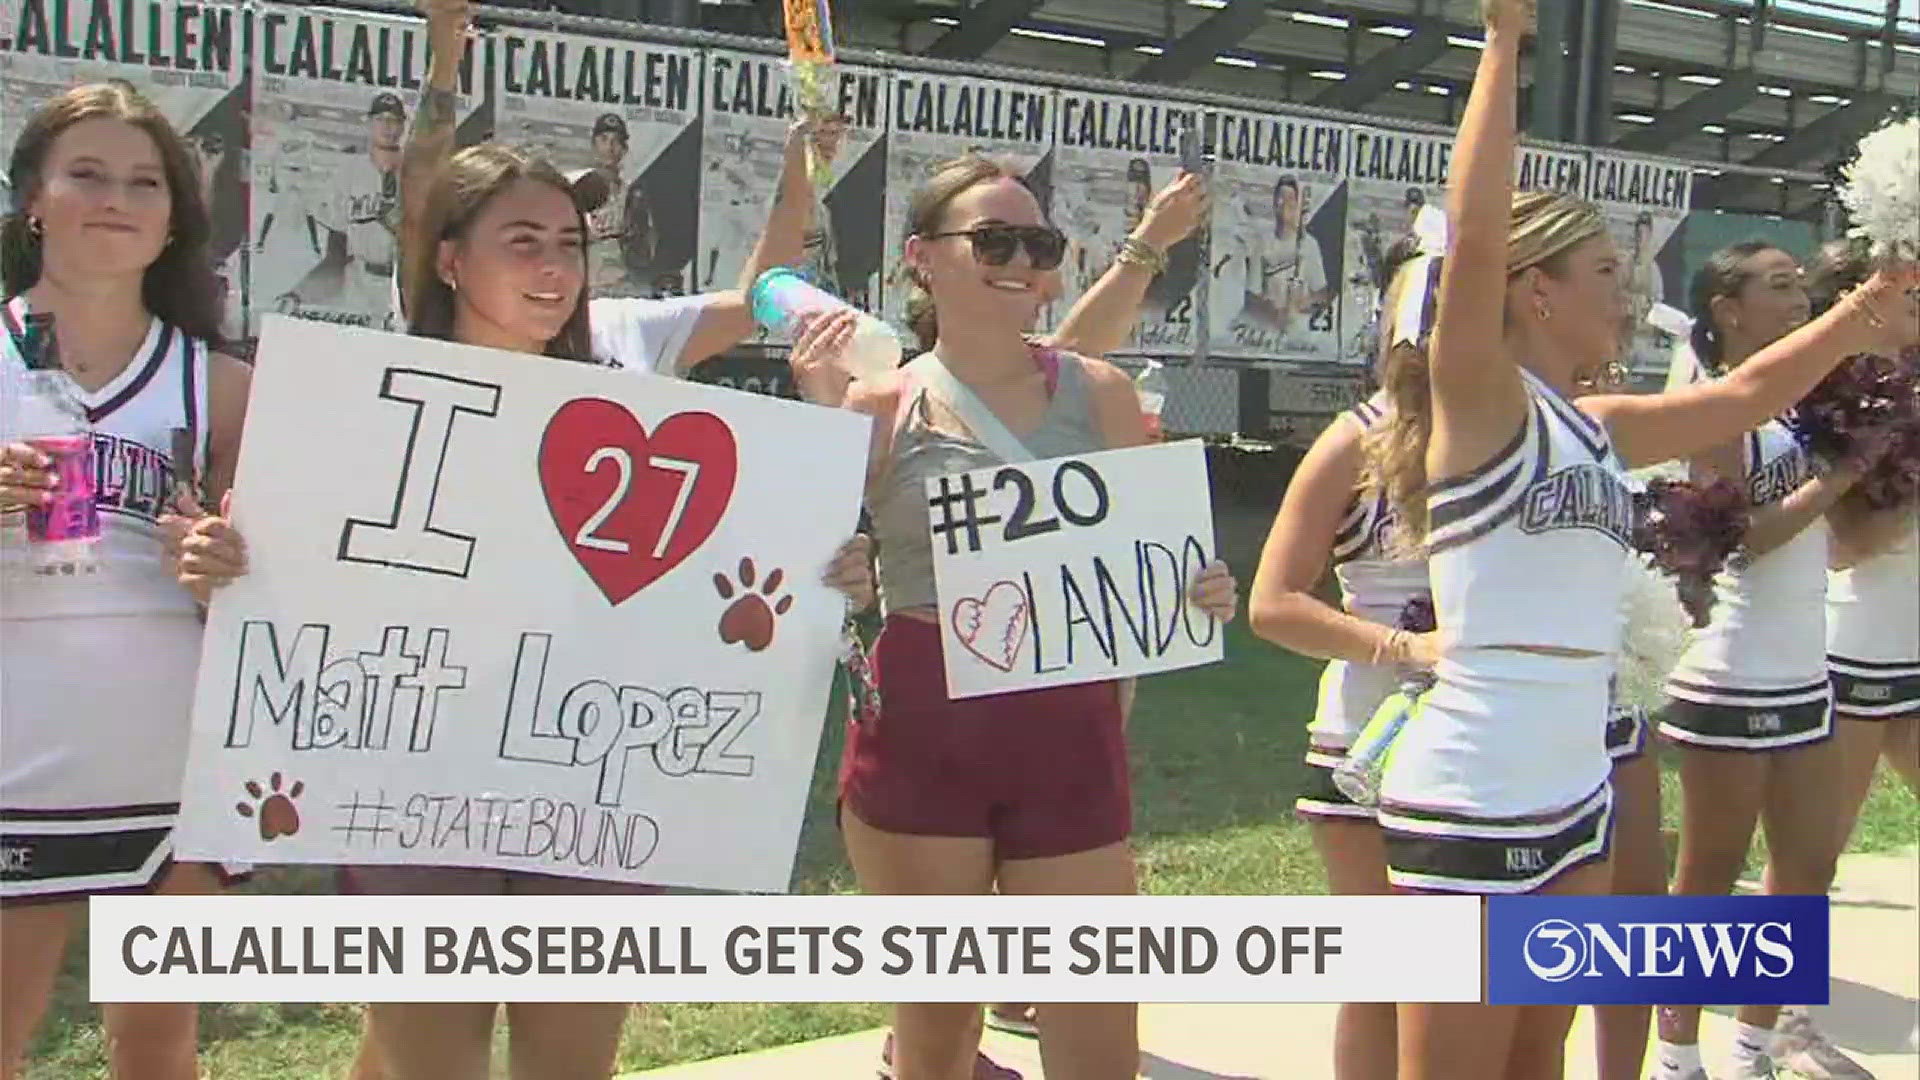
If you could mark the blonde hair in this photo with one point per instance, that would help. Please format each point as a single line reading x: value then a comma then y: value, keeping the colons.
x: 925, y: 215
x: 1544, y: 226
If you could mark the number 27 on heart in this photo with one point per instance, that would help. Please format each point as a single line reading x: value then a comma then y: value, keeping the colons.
x: 589, y: 537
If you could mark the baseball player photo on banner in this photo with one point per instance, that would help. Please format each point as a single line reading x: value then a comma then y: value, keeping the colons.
x: 1398, y: 188
x: 1074, y: 569
x: 1279, y: 210
x: 1646, y: 202
x: 187, y: 58
x: 333, y: 92
x: 630, y: 113
x: 567, y: 620
x: 1111, y: 155
x: 938, y: 118
x: 749, y: 110
x: 1540, y: 168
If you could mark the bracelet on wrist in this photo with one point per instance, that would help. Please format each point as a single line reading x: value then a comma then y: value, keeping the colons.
x: 1137, y: 252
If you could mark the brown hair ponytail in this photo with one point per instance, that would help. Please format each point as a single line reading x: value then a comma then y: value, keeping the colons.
x: 925, y: 215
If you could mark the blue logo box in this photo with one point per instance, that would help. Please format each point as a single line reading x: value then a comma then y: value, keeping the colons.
x: 1657, y: 950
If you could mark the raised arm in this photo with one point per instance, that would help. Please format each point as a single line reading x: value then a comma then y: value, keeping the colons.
x: 727, y: 318
x: 1103, y: 317
x: 1283, y: 608
x: 430, y: 142
x: 1479, y: 397
x: 1769, y: 527
x: 1650, y: 428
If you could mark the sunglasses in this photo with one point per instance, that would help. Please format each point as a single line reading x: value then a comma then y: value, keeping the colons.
x: 994, y: 245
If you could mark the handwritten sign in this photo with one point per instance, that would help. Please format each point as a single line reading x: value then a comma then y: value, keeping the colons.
x: 1072, y: 570
x: 533, y: 615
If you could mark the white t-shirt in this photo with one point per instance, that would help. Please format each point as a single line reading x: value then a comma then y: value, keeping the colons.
x: 638, y: 334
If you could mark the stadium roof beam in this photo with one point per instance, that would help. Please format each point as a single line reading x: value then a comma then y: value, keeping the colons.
x: 1828, y: 137
x: 1712, y: 104
x: 1373, y: 77
x: 981, y: 28
x: 1192, y: 50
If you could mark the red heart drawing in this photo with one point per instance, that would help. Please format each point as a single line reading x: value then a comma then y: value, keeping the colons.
x: 632, y: 506
x: 993, y: 627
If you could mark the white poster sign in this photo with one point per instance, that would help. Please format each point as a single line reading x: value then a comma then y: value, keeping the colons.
x: 534, y: 615
x: 750, y: 106
x: 1646, y: 203
x: 1073, y: 570
x: 1398, y: 185
x: 938, y: 118
x: 630, y: 111
x: 1540, y: 168
x: 1113, y: 154
x: 187, y: 58
x: 334, y: 93
x: 1279, y: 212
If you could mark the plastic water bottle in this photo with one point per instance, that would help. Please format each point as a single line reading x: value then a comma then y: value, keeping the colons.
x: 782, y: 296
x: 1151, y: 385
x: 63, y: 535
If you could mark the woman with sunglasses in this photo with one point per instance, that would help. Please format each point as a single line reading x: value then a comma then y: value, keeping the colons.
x: 1024, y: 791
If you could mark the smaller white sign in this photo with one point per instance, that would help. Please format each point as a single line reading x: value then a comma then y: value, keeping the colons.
x: 1072, y: 570
x: 786, y: 948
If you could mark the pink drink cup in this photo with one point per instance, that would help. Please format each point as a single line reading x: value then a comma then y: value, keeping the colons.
x: 71, y: 514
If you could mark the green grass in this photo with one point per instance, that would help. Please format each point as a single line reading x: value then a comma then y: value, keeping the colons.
x: 1217, y: 759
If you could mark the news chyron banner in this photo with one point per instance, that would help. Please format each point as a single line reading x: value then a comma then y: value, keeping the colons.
x: 1397, y: 188
x: 629, y: 112
x: 749, y: 111
x: 185, y: 57
x: 1540, y: 168
x: 937, y: 119
x: 1279, y: 210
x: 1646, y: 203
x: 334, y: 92
x: 1113, y: 154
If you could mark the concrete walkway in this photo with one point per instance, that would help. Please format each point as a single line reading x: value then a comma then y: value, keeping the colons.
x: 1874, y: 1015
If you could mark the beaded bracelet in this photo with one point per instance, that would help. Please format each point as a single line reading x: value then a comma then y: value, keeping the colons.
x: 1142, y: 254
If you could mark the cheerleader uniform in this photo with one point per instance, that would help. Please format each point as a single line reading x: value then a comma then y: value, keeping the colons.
x: 1500, y: 782
x: 1756, y: 677
x: 1374, y: 587
x: 1873, y: 632
x: 100, y: 668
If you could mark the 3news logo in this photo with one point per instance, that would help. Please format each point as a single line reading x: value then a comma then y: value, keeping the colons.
x: 1657, y: 950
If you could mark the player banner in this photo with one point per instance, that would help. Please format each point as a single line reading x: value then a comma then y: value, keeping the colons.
x: 333, y: 93
x: 187, y: 58
x: 563, y: 619
x: 1073, y: 570
x: 629, y: 111
x: 1279, y: 208
x: 1398, y: 184
x: 1538, y: 168
x: 1112, y: 154
x: 749, y: 107
x: 1646, y: 202
x: 938, y: 118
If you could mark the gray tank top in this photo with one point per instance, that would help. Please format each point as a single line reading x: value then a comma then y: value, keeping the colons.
x: 921, y: 452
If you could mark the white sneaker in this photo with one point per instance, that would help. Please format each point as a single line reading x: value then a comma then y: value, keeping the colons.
x: 1799, y: 1046
x: 1760, y: 1068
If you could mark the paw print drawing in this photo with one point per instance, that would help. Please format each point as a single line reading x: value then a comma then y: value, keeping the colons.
x: 749, y: 619
x: 272, y: 807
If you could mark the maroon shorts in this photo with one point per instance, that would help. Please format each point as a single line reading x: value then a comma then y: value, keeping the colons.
x: 404, y: 880
x: 1043, y: 773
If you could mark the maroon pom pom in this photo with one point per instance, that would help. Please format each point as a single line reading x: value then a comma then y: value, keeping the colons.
x: 1691, y: 531
x: 1866, y: 412
x: 1418, y: 615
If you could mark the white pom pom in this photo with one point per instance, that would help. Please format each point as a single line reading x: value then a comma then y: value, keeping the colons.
x: 1882, y: 190
x: 1656, y: 633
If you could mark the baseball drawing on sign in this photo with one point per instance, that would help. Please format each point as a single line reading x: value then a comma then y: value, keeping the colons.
x: 993, y: 627
x: 611, y: 487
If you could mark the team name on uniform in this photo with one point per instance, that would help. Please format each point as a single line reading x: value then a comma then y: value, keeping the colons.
x: 1778, y: 478
x: 751, y: 86
x: 972, y: 110
x: 1139, y: 127
x: 606, y: 74
x: 346, y: 50
x: 130, y: 478
x: 1581, y: 497
x: 1548, y: 170
x: 182, y: 37
x: 1641, y: 183
x: 1282, y: 142
x: 1404, y: 159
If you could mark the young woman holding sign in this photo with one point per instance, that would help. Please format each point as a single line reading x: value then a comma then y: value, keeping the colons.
x: 1029, y: 791
x: 504, y: 266
x: 109, y: 238
x: 1499, y: 783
